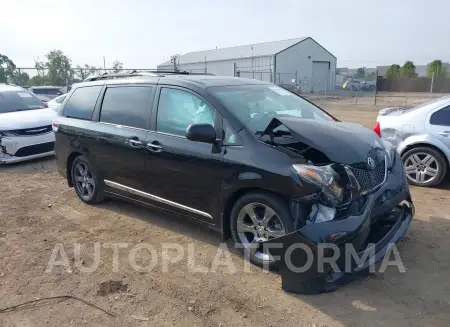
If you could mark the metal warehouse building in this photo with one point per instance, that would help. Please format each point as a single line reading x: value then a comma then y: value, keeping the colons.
x: 302, y: 62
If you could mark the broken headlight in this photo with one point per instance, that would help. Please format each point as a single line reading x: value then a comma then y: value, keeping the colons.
x: 334, y: 190
x: 390, y: 151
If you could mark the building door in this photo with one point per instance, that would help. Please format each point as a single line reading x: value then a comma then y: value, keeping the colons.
x: 320, y: 76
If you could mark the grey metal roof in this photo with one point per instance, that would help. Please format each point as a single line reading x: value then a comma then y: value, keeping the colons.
x: 241, y: 51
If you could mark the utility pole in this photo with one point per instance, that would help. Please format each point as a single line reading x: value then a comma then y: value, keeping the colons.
x: 104, y: 63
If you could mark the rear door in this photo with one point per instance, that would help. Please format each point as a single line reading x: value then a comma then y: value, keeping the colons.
x: 438, y: 124
x: 117, y: 137
x: 181, y: 175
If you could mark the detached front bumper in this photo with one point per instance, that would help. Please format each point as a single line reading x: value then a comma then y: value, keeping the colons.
x: 320, y: 257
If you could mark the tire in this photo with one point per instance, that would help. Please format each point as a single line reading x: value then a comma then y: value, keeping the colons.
x: 415, y: 168
x: 259, y: 201
x: 91, y: 182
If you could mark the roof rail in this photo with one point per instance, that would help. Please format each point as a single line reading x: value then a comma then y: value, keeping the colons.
x: 133, y: 73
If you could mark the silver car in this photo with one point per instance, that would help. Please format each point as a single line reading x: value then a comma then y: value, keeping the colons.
x: 422, y: 137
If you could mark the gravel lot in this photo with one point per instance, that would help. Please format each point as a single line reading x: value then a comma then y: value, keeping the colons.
x: 38, y: 211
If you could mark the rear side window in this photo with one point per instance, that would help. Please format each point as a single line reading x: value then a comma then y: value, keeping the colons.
x: 441, y: 117
x: 127, y: 105
x: 82, y: 102
x: 18, y: 101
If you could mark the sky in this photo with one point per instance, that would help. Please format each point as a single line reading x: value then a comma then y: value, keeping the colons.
x: 144, y: 33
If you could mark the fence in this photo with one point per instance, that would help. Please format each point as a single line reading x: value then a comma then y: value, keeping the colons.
x: 57, y: 77
x: 328, y: 87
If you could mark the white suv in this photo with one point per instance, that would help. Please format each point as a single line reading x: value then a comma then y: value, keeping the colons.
x: 25, y: 125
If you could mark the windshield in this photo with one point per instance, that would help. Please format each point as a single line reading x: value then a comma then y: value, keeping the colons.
x: 18, y: 101
x: 256, y: 105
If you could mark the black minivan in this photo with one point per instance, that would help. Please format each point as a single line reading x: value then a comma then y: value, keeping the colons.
x: 248, y: 158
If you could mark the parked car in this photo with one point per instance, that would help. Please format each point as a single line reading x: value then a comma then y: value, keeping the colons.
x: 47, y: 93
x: 422, y: 137
x: 25, y: 126
x: 247, y: 158
x: 55, y: 104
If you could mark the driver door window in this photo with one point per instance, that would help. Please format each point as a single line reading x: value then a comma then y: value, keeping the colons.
x: 177, y: 109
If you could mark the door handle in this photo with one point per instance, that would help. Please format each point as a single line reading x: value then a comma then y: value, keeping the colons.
x: 445, y: 133
x: 134, y: 142
x: 154, y: 146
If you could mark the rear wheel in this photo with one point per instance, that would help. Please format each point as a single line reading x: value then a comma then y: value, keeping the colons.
x: 259, y: 217
x: 424, y: 166
x: 85, y: 181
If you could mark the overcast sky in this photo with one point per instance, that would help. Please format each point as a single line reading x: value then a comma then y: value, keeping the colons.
x: 144, y: 33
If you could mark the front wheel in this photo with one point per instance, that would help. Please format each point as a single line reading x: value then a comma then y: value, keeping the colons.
x: 259, y: 217
x: 424, y: 166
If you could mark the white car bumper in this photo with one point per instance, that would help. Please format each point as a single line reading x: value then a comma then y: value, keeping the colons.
x: 22, y: 148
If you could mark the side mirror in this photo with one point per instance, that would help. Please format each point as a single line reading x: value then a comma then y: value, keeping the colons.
x: 201, y: 133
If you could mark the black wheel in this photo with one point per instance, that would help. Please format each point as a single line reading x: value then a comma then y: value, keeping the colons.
x: 85, y: 181
x: 258, y: 217
x: 424, y: 166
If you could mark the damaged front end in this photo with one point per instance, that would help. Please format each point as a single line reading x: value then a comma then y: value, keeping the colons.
x: 355, y: 212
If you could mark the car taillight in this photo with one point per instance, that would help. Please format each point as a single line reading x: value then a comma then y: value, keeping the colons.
x: 377, y: 128
x: 55, y: 126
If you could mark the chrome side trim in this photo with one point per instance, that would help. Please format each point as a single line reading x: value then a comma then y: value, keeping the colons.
x: 155, y: 198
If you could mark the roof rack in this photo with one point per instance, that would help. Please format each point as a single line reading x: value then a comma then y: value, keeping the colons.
x: 134, y: 73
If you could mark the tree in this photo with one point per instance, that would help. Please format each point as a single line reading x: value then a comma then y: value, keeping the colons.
x: 436, y: 68
x: 408, y: 70
x: 7, y: 68
x: 59, y: 68
x: 117, y: 66
x: 20, y: 78
x: 86, y: 71
x: 360, y: 72
x: 393, y: 71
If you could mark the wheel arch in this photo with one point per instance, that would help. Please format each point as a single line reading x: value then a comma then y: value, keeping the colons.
x: 426, y: 145
x: 229, y: 202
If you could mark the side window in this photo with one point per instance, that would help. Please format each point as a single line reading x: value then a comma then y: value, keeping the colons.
x: 126, y: 105
x: 230, y: 137
x: 441, y: 117
x: 178, y: 109
x: 82, y: 102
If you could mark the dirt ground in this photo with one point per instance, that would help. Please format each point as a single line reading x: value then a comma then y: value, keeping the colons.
x: 38, y: 211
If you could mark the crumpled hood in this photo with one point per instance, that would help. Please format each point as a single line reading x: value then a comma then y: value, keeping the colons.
x: 26, y: 119
x: 344, y: 143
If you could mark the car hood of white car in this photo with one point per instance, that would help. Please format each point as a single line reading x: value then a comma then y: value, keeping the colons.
x: 26, y: 119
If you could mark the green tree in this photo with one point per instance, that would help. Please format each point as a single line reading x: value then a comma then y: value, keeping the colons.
x: 436, y: 68
x: 393, y: 71
x: 86, y: 71
x: 408, y: 70
x: 7, y: 68
x: 20, y: 78
x: 117, y: 66
x: 59, y: 68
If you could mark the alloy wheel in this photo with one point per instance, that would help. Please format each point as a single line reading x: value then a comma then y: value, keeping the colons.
x: 421, y: 167
x: 84, y: 181
x: 256, y: 223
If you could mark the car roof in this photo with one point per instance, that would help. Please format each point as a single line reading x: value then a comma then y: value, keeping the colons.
x: 198, y: 80
x: 10, y: 87
x: 46, y: 87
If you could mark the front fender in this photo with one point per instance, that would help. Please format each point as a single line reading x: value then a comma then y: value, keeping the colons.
x: 423, y: 139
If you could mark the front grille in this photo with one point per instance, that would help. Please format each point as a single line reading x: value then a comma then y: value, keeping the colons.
x: 370, y: 179
x: 32, y: 131
x: 35, y: 149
